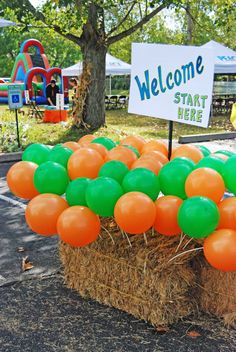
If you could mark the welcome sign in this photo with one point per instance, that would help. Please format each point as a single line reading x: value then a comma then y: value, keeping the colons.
x: 172, y: 82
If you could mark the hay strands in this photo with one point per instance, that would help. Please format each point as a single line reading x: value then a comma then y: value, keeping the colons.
x: 109, y: 234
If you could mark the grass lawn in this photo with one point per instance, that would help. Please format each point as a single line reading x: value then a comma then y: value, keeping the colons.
x: 119, y: 124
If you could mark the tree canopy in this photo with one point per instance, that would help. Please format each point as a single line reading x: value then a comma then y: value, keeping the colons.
x: 96, y: 25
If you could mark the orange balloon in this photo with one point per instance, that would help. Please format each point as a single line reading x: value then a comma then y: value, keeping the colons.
x: 188, y: 151
x: 99, y: 148
x: 154, y: 166
x: 85, y: 140
x: 205, y: 182
x: 20, y: 179
x: 126, y: 155
x: 227, y: 210
x: 173, y: 150
x: 78, y: 226
x: 135, y: 141
x: 159, y: 146
x: 135, y: 212
x: 85, y: 162
x: 72, y: 146
x: 155, y: 155
x: 220, y: 156
x: 220, y: 249
x: 42, y: 213
x: 166, y: 222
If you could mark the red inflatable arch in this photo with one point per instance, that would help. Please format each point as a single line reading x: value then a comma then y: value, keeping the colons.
x: 32, y: 42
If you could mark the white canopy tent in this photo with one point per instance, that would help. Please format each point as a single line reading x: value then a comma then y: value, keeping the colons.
x: 114, y: 67
x: 225, y: 58
x: 6, y: 23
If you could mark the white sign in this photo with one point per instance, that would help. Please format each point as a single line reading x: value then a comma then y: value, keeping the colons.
x: 27, y: 97
x: 60, y: 101
x: 172, y: 82
x: 15, y: 100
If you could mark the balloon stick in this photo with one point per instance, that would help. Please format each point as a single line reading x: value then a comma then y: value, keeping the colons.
x: 182, y: 237
x: 145, y: 238
x: 180, y: 254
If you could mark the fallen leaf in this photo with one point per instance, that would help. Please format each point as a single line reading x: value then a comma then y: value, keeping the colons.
x: 193, y: 334
x: 26, y: 264
x: 162, y: 329
x: 20, y: 249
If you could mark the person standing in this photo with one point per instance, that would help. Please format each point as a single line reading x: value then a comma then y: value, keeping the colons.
x: 51, y: 92
x: 75, y: 85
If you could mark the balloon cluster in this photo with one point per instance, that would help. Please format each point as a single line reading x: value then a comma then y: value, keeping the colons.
x: 73, y: 184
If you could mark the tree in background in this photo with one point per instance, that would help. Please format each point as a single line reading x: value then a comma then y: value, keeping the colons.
x: 206, y: 20
x: 95, y: 25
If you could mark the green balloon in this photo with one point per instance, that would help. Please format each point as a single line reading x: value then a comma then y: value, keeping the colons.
x: 212, y: 162
x: 57, y: 146
x: 37, y: 153
x: 229, y: 174
x: 225, y: 152
x: 172, y: 177
x: 107, y: 142
x: 133, y: 149
x: 184, y: 160
x: 205, y: 151
x: 102, y: 195
x: 142, y: 180
x: 76, y: 190
x: 60, y: 155
x: 114, y: 169
x: 51, y: 177
x: 198, y: 217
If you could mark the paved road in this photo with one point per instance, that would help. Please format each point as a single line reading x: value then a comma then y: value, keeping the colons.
x: 39, y: 314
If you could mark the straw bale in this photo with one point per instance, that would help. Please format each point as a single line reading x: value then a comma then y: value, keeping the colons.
x: 138, y: 279
x: 217, y: 292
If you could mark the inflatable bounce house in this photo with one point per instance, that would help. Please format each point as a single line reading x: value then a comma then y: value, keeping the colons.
x: 33, y: 72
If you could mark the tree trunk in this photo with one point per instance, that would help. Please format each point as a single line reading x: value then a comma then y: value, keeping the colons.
x: 190, y: 26
x: 94, y: 68
x: 90, y: 107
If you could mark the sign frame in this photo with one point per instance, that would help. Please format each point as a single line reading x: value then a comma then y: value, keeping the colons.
x: 172, y: 82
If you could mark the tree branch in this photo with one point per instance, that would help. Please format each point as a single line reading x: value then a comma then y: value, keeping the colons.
x: 195, y: 21
x: 134, y: 28
x: 40, y: 17
x: 79, y: 5
x: 69, y: 36
x: 123, y: 20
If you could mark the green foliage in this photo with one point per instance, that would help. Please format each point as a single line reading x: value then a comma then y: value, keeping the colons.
x: 155, y: 31
x: 211, y: 19
x: 60, y: 51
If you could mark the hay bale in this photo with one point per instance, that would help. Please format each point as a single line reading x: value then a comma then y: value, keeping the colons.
x: 217, y: 292
x: 137, y: 279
